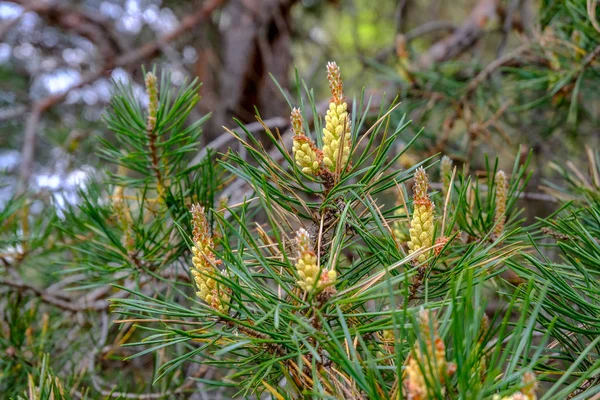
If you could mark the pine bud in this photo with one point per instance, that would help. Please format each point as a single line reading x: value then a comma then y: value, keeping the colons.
x: 121, y: 211
x: 204, y: 263
x: 153, y: 145
x: 336, y: 134
x: 306, y: 154
x: 428, y: 363
x: 421, y: 225
x: 152, y: 92
x: 310, y: 274
x: 500, y: 214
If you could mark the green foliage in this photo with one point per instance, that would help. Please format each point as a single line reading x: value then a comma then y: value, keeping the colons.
x: 570, y: 311
x: 331, y: 343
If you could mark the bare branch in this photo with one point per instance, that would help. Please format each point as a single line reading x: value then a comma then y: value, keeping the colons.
x: 54, y: 300
x: 222, y: 140
x: 493, y: 66
x: 464, y: 37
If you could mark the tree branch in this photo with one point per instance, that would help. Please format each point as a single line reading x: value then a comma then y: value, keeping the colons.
x: 464, y: 37
x: 493, y: 66
x: 54, y: 300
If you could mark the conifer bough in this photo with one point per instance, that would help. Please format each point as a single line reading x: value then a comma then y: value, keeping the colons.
x: 284, y: 334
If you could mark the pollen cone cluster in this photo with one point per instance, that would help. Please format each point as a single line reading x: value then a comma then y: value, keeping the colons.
x: 204, y: 262
x: 421, y: 224
x: 501, y: 191
x: 310, y: 274
x: 306, y: 154
x: 426, y: 364
x: 336, y: 134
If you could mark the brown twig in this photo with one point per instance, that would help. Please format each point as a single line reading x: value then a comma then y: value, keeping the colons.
x: 522, y: 195
x: 100, y: 305
x: 222, y: 140
x: 590, y: 58
x: 143, y: 396
x: 426, y: 28
x: 464, y: 37
x: 493, y: 66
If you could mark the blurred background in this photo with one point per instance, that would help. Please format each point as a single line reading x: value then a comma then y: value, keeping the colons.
x: 476, y: 76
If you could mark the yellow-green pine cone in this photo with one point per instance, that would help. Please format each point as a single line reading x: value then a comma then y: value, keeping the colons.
x: 336, y: 136
x: 309, y: 273
x: 421, y: 224
x: 337, y: 139
x: 501, y: 193
x: 426, y: 364
x: 204, y: 263
x: 306, y: 154
x: 446, y: 173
